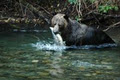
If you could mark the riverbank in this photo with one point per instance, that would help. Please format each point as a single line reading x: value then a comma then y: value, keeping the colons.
x: 34, y: 15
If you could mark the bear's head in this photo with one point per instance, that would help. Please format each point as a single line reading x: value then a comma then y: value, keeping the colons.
x: 59, y: 22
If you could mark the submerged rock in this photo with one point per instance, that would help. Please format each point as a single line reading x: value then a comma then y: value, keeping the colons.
x: 35, y: 61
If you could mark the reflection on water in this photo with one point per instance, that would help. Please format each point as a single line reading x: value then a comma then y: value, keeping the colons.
x: 34, y: 56
x: 55, y: 64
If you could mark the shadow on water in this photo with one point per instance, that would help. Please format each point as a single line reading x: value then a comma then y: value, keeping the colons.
x: 34, y: 56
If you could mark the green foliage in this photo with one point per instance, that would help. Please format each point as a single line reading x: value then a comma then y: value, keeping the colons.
x: 103, y: 6
x: 78, y: 18
x: 73, y: 1
x: 92, y: 1
x: 106, y: 8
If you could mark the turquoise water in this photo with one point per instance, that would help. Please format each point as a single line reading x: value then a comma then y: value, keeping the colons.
x: 34, y: 56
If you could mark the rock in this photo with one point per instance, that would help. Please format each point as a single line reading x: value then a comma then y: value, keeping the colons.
x: 82, y: 68
x: 87, y: 75
x: 43, y: 73
x: 109, y: 67
x: 35, y: 61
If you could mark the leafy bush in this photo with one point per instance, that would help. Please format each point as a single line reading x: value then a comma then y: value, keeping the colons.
x: 102, y: 6
x: 106, y: 8
x: 73, y: 1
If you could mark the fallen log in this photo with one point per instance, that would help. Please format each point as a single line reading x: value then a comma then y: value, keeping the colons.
x: 114, y: 32
x: 21, y: 20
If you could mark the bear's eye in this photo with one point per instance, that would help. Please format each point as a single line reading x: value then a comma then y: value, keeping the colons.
x: 59, y: 25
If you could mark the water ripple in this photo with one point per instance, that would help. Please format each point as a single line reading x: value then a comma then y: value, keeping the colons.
x: 107, y: 45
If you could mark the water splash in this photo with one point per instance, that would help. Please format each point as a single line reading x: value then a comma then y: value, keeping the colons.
x: 54, y: 47
x: 48, y: 46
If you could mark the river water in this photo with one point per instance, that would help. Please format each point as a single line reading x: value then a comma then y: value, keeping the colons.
x: 34, y: 56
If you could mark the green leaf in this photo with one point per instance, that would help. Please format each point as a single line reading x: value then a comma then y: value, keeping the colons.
x: 92, y: 1
x: 105, y: 11
x: 72, y: 1
x: 116, y: 8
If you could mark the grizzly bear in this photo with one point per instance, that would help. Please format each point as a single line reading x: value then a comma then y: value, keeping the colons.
x: 75, y: 33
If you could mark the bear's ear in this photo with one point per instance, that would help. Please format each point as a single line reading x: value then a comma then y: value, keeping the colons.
x: 66, y: 17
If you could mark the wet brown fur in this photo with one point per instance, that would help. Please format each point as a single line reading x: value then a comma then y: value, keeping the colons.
x: 74, y: 33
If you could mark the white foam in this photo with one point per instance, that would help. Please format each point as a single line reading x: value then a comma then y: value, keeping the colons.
x: 48, y: 46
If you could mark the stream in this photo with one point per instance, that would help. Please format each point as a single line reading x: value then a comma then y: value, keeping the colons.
x: 34, y: 56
